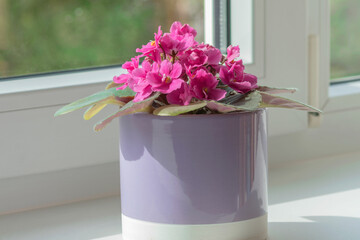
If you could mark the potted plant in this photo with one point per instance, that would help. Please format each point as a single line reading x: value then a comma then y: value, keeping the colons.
x: 193, y: 140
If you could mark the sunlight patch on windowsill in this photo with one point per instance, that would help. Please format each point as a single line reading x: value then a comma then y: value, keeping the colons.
x: 113, y: 237
x: 334, y: 204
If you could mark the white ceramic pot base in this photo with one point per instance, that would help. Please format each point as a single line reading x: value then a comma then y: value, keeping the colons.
x: 252, y: 229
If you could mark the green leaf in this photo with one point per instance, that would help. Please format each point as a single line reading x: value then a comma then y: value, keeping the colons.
x: 269, y: 100
x: 221, y: 107
x: 93, y: 110
x: 93, y: 99
x: 232, y: 98
x: 129, y: 108
x: 273, y: 90
x: 112, y: 85
x: 249, y: 102
x: 96, y: 108
x: 174, y: 110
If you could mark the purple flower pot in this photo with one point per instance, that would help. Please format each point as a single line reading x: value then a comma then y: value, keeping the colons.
x: 194, y: 177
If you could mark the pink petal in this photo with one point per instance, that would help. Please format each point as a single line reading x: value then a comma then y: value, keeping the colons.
x: 123, y: 78
x: 180, y: 96
x: 214, y: 56
x: 241, y: 87
x: 176, y: 70
x: 157, y: 35
x: 143, y: 94
x: 197, y: 92
x: 176, y: 26
x: 146, y: 65
x: 225, y: 76
x: 175, y: 84
x: 154, y: 79
x: 174, y: 97
x: 165, y: 67
x: 216, y: 94
x: 232, y: 53
x: 211, y: 81
x: 139, y: 72
x: 250, y: 78
x: 155, y: 67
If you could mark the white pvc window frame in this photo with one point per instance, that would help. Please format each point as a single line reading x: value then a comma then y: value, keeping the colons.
x: 31, y: 138
x: 35, y: 88
x: 330, y: 98
x: 247, y: 28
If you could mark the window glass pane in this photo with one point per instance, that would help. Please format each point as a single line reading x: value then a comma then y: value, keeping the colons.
x: 242, y: 28
x: 39, y: 36
x: 345, y: 39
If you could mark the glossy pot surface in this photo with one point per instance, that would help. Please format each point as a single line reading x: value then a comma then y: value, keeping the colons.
x: 194, y: 169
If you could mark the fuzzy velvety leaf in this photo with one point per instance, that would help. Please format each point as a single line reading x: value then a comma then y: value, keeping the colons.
x: 129, y: 108
x: 221, y: 107
x: 95, y: 98
x: 174, y: 110
x: 93, y: 110
x: 125, y: 99
x: 269, y: 100
x: 229, y: 90
x: 232, y: 98
x: 272, y: 90
x: 249, y: 102
x: 96, y: 108
x: 112, y: 85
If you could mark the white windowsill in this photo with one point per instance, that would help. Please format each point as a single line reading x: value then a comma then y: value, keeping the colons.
x: 343, y: 97
x: 308, y: 200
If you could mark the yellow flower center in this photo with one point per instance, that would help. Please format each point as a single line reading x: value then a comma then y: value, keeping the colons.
x: 153, y: 43
x: 167, y: 79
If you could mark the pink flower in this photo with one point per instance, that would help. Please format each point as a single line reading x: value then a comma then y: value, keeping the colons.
x: 178, y: 29
x: 122, y: 79
x: 144, y: 92
x: 214, y: 55
x: 139, y: 84
x: 203, y: 86
x: 237, y: 79
x: 165, y: 79
x: 232, y: 53
x: 173, y: 44
x: 131, y: 65
x: 176, y: 65
x: 194, y: 58
x: 180, y: 96
x: 152, y: 45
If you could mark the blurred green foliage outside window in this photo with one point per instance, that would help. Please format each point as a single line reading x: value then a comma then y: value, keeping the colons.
x: 345, y: 39
x: 38, y: 36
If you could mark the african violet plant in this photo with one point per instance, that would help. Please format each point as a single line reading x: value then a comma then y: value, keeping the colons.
x: 181, y: 76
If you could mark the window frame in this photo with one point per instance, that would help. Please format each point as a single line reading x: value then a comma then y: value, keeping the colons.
x: 257, y: 67
x: 32, y: 138
x: 340, y: 96
x: 63, y: 87
x: 319, y: 25
x: 34, y: 89
x: 67, y: 89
